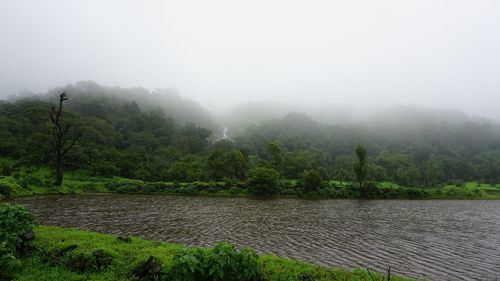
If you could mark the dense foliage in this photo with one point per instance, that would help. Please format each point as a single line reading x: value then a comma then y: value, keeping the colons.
x: 420, y: 154
x: 263, y: 181
x: 15, y: 221
x: 223, y: 262
x: 124, y: 133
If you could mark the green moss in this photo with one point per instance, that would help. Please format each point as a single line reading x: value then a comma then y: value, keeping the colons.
x: 127, y: 255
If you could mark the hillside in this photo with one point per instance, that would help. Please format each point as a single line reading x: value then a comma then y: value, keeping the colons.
x: 137, y: 134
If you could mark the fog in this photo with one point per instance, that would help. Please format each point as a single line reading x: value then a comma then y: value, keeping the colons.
x: 362, y: 53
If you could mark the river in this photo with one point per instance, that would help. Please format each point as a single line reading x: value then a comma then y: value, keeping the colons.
x: 431, y: 239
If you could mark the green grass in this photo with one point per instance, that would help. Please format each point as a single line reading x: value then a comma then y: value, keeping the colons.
x: 81, y: 181
x: 127, y: 255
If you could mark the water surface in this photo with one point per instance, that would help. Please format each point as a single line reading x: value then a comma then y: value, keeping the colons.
x: 438, y: 240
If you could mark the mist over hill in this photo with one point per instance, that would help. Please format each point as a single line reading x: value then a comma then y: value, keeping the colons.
x: 389, y: 117
x: 239, y: 117
x: 91, y: 94
x: 158, y: 135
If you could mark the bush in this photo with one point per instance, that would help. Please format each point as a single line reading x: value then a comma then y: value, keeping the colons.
x: 124, y: 187
x: 187, y: 190
x: 6, y: 168
x: 312, y: 181
x: 153, y: 187
x: 104, y: 168
x: 190, y: 264
x: 28, y: 180
x: 223, y: 262
x: 227, y: 263
x: 235, y: 190
x: 198, y: 185
x: 229, y: 182
x: 15, y: 221
x: 263, y: 181
x: 456, y: 182
x: 9, y: 264
x: 5, y: 190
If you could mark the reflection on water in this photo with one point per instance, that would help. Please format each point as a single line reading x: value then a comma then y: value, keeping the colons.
x: 443, y: 240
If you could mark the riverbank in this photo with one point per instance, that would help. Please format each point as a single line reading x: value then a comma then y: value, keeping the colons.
x: 126, y: 255
x: 38, y: 183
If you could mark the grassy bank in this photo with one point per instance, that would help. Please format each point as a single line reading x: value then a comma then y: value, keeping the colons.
x: 127, y: 255
x: 78, y: 182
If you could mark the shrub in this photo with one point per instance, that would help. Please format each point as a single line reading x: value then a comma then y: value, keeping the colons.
x: 15, y: 221
x: 153, y: 187
x: 223, y: 262
x: 189, y: 265
x: 5, y: 190
x: 104, y: 168
x: 226, y: 263
x: 6, y: 168
x: 235, y: 190
x: 90, y: 188
x: 176, y: 184
x: 456, y: 182
x: 187, y: 190
x: 229, y: 182
x: 312, y: 181
x: 124, y: 187
x: 9, y: 264
x: 263, y: 181
x: 198, y: 185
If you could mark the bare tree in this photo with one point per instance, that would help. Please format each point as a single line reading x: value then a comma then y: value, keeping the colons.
x: 64, y: 137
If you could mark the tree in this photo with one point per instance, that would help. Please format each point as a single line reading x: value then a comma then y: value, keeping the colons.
x: 434, y: 172
x: 312, y: 180
x: 361, y: 166
x: 276, y: 154
x: 263, y: 181
x: 226, y: 164
x: 64, y: 137
x: 187, y: 169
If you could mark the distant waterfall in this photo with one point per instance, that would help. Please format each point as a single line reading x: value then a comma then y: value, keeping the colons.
x: 224, y: 133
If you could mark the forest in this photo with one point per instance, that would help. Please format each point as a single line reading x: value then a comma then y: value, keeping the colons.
x: 162, y: 137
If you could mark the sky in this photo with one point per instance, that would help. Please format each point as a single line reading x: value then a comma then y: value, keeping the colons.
x: 433, y: 53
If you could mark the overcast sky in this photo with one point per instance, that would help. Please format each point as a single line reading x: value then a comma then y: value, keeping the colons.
x: 439, y: 53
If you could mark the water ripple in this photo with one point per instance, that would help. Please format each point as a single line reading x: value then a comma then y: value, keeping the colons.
x: 437, y: 240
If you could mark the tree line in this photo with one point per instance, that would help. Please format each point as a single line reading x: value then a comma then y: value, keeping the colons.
x: 118, y: 137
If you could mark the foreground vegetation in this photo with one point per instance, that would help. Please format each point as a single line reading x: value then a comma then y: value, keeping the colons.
x: 54, y: 253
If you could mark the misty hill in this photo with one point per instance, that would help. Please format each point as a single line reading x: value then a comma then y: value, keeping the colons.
x: 396, y: 117
x: 88, y: 95
x: 439, y: 150
x: 125, y: 132
x: 119, y: 137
